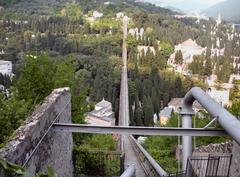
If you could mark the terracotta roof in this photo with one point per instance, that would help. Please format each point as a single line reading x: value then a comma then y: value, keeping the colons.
x: 189, y: 42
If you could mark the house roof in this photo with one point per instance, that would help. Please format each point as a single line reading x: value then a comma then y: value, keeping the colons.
x: 190, y: 42
x: 166, y: 112
x: 103, y: 103
x: 178, y: 102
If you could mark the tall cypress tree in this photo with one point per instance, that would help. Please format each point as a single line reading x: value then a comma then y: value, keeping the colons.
x: 179, y: 57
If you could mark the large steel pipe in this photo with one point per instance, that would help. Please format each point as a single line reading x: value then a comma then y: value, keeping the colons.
x: 229, y: 122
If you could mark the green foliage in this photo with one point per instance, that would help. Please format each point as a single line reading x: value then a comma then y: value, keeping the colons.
x: 72, y: 11
x: 36, y: 80
x: 179, y: 57
x: 163, y: 148
x: 12, y: 113
x: 10, y: 169
x: 235, y: 97
x: 89, y: 162
x: 97, y: 156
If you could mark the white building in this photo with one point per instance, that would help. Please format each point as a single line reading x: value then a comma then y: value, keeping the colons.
x: 97, y: 14
x: 102, y: 114
x: 2, y: 52
x: 120, y: 15
x: 6, y: 67
x: 219, y: 19
x: 1, y: 8
x: 176, y: 105
x: 217, y: 52
x: 211, y: 80
x: 193, y: 14
x: 220, y: 96
x: 189, y: 48
x: 2, y: 88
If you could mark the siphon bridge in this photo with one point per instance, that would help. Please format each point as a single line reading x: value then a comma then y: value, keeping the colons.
x: 137, y: 160
x: 127, y: 143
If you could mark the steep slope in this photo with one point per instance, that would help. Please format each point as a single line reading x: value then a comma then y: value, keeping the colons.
x: 40, y: 7
x: 228, y: 9
x: 48, y: 7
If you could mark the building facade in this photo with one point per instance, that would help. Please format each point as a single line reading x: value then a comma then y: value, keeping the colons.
x: 5, y: 67
x: 102, y: 114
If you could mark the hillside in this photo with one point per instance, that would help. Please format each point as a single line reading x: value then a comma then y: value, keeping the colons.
x: 228, y: 9
x: 49, y: 7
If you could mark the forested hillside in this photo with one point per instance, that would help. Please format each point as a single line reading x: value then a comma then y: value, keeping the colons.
x: 91, y: 46
x: 78, y: 44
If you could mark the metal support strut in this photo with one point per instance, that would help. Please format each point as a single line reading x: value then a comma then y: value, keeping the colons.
x: 186, y: 140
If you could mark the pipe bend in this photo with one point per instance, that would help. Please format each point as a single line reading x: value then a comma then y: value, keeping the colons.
x: 229, y: 122
x: 189, y: 99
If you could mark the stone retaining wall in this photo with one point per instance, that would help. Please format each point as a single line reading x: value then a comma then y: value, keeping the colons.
x: 56, y: 148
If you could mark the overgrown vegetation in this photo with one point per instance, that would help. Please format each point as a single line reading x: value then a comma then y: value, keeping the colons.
x: 163, y: 148
x: 59, y: 45
x: 9, y: 169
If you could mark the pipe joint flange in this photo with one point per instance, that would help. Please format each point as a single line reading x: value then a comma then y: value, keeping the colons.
x: 187, y: 112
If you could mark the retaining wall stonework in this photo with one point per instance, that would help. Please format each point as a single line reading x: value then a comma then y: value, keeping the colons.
x: 235, y: 167
x: 56, y: 148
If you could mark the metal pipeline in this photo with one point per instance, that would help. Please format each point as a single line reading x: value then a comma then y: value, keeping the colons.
x: 228, y: 122
x: 129, y: 172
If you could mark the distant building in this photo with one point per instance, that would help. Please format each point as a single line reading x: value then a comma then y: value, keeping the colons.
x: 108, y: 3
x: 120, y: 15
x: 165, y: 115
x: 6, y: 67
x: 102, y: 114
x: 189, y: 48
x: 2, y: 88
x: 233, y: 77
x: 219, y: 19
x: 217, y: 52
x: 192, y: 14
x: 211, y: 80
x: 2, y: 52
x: 176, y: 104
x: 97, y: 14
x: 1, y: 8
x: 220, y: 96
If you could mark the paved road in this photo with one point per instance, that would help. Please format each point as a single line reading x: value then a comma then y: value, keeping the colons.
x: 130, y: 156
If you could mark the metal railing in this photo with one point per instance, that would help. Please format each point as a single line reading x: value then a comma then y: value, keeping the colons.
x: 179, y: 174
x: 209, y: 166
x: 227, y: 121
x: 151, y: 167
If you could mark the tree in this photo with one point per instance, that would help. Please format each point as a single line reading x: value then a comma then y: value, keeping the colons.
x: 179, y: 57
x: 64, y: 75
x: 208, y: 67
x: 36, y: 79
x: 148, y: 111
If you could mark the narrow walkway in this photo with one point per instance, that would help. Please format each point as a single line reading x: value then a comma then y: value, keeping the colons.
x: 126, y: 146
x: 131, y: 157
